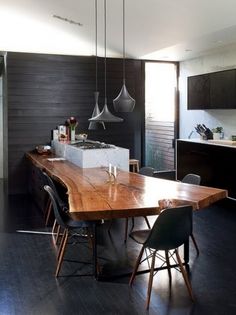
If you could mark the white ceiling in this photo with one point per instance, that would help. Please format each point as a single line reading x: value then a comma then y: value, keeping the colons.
x: 155, y: 29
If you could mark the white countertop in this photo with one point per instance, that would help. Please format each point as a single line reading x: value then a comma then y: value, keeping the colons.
x: 223, y: 142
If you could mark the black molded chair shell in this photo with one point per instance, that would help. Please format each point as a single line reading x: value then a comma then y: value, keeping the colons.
x: 140, y: 236
x: 171, y: 229
x: 193, y: 179
x: 146, y: 170
x: 48, y: 181
x: 63, y: 218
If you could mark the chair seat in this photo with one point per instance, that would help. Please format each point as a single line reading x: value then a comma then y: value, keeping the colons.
x: 140, y: 236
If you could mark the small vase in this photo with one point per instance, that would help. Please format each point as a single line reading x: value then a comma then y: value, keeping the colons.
x: 72, y: 135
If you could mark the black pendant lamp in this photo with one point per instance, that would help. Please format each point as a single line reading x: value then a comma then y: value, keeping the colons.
x: 124, y: 102
x: 96, y: 110
x: 105, y: 115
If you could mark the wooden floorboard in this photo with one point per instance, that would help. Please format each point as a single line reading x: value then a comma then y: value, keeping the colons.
x: 27, y: 264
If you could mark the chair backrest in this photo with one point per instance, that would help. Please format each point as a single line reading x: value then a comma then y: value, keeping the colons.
x: 59, y: 214
x: 147, y: 170
x: 48, y: 181
x: 192, y: 179
x: 171, y: 229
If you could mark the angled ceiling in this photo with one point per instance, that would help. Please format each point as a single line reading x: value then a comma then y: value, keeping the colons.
x: 155, y: 29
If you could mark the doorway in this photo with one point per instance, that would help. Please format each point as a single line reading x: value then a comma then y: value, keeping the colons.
x: 160, y: 114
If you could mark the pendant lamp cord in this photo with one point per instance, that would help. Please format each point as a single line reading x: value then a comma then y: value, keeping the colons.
x: 96, y: 42
x: 105, y: 49
x: 124, y: 41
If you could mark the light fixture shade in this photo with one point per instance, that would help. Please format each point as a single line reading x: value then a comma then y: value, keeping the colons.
x: 96, y: 112
x: 106, y: 116
x: 124, y: 102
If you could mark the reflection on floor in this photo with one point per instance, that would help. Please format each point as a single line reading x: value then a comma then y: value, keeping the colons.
x: 27, y: 264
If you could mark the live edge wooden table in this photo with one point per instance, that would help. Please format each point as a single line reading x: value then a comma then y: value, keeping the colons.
x: 92, y: 197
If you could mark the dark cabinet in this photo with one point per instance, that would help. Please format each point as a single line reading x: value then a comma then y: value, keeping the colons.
x: 215, y: 90
x: 215, y: 164
x: 198, y: 91
x: 223, y: 89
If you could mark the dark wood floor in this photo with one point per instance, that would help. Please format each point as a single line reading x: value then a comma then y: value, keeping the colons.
x: 27, y: 264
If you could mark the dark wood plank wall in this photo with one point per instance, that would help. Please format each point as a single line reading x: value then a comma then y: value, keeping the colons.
x: 44, y: 90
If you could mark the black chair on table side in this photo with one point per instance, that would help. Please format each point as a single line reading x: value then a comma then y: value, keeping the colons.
x: 171, y: 229
x: 63, y: 205
x: 147, y: 171
x: 193, y: 179
x: 70, y: 227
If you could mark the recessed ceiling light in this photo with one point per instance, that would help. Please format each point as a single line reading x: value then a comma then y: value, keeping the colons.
x: 67, y: 20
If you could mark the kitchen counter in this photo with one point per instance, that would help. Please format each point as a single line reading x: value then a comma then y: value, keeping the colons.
x: 223, y: 142
x: 90, y: 153
x: 213, y: 160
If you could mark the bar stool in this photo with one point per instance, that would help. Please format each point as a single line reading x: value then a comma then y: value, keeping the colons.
x: 134, y: 165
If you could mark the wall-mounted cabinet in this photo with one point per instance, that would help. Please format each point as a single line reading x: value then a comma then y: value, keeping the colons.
x: 199, y: 91
x: 215, y: 90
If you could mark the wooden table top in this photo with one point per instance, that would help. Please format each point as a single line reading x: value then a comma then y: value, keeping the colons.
x: 92, y: 197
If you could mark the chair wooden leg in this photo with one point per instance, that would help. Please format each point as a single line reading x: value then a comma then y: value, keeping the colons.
x: 61, y: 244
x: 185, y: 276
x: 148, y: 224
x: 195, y: 244
x: 136, y: 266
x: 57, y: 234
x: 168, y: 264
x: 48, y: 212
x: 46, y: 208
x: 54, y: 226
x: 149, y: 291
x: 56, y: 229
x: 62, y: 252
x: 126, y: 228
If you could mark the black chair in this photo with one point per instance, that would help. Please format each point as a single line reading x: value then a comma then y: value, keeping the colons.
x: 70, y: 227
x: 171, y: 229
x: 147, y: 171
x: 193, y: 179
x: 62, y: 203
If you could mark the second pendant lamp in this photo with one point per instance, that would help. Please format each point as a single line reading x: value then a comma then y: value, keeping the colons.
x: 96, y: 111
x: 105, y: 115
x: 124, y: 102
